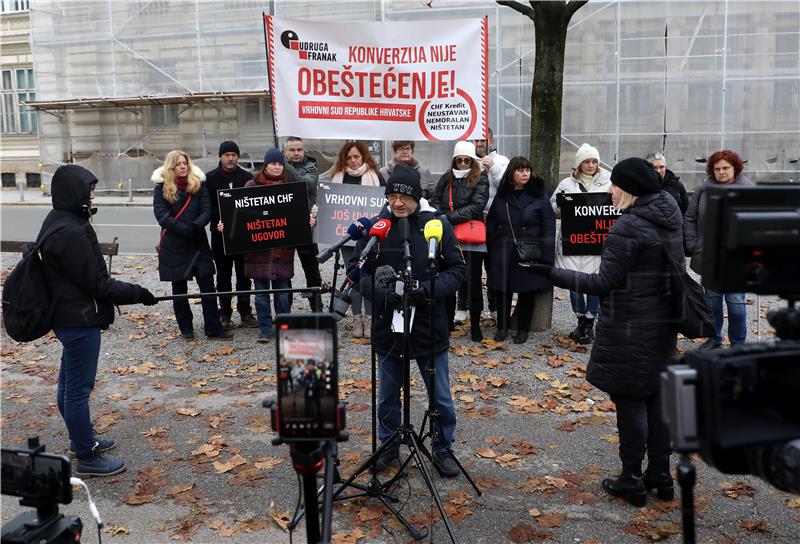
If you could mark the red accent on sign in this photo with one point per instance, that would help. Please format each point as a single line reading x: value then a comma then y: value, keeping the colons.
x: 294, y: 45
x: 371, y: 111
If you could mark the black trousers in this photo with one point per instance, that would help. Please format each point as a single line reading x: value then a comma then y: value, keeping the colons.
x: 470, y: 293
x: 642, y: 430
x: 183, y: 313
x: 308, y: 260
x: 226, y: 263
x: 525, y: 306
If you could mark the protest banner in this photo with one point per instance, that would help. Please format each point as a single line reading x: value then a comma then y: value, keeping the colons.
x: 264, y: 217
x: 585, y: 221
x: 340, y: 204
x: 431, y: 83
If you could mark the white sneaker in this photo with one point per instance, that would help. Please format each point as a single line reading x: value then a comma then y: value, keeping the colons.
x: 486, y: 314
x: 461, y: 316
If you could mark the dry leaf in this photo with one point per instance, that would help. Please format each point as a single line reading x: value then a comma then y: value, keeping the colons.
x: 553, y: 519
x: 522, y: 533
x: 485, y: 453
x: 192, y: 412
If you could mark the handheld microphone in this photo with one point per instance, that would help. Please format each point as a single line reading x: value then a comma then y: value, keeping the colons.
x: 376, y: 234
x: 341, y: 298
x: 433, y: 234
x: 354, y: 232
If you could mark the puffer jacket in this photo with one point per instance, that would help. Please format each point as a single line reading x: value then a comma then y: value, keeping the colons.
x: 600, y: 183
x: 74, y: 267
x: 634, y: 339
x: 272, y: 264
x: 672, y: 184
x: 468, y: 202
x: 693, y: 221
x: 183, y: 250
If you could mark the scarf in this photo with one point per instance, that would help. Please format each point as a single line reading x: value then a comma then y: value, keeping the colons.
x: 264, y: 179
x: 182, y: 182
x: 586, y: 179
x: 459, y: 174
x: 368, y: 177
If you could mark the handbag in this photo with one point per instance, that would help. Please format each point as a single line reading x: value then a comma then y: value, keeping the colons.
x: 690, y: 309
x: 529, y: 251
x: 472, y: 232
x: 164, y: 231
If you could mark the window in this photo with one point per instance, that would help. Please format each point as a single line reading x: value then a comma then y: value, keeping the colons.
x: 33, y: 180
x: 19, y: 86
x: 164, y: 116
x: 787, y: 97
x: 9, y: 179
x: 11, y: 6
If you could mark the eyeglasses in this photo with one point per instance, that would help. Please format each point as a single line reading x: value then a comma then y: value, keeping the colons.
x: 463, y: 160
x: 723, y: 168
x: 406, y: 148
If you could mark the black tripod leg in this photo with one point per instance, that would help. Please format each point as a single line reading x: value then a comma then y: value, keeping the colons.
x: 686, y: 479
x: 327, y: 500
x: 364, y: 466
x: 426, y: 475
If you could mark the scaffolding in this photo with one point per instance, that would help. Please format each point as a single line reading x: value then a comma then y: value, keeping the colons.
x: 122, y: 83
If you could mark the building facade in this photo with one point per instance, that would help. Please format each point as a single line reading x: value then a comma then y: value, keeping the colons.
x: 121, y: 83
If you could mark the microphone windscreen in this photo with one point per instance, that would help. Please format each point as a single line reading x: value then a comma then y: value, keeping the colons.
x: 385, y: 274
x: 405, y: 229
x: 433, y: 230
x: 357, y: 229
x: 380, y: 229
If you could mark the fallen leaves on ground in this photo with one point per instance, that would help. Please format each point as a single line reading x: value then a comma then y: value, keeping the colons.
x: 522, y: 532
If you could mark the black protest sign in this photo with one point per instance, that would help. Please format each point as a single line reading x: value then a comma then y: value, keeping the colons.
x: 264, y: 217
x: 585, y: 221
x: 340, y: 204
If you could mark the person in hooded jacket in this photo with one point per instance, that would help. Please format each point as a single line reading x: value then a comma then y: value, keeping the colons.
x: 404, y: 195
x: 669, y: 181
x: 461, y: 195
x: 520, y: 210
x: 636, y: 337
x: 86, y: 295
x: 587, y: 177
x: 183, y: 209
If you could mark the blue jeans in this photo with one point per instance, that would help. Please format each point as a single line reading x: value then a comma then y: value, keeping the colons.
x: 737, y: 316
x: 263, y: 311
x: 587, y: 305
x: 76, y: 381
x: 391, y: 384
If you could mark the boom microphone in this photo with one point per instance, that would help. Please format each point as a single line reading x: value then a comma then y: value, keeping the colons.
x: 354, y: 232
x: 376, y: 234
x: 433, y: 234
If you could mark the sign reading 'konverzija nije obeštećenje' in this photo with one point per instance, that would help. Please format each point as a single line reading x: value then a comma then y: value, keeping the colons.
x: 585, y: 221
x: 264, y: 217
x: 390, y: 80
x: 340, y: 204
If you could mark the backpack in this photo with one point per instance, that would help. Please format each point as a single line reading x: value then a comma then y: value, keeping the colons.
x: 28, y: 305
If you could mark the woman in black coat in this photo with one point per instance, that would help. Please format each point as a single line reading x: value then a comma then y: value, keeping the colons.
x: 182, y: 208
x: 461, y: 194
x: 520, y: 210
x: 634, y: 339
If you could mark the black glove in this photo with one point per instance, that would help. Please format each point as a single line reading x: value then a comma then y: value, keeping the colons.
x: 540, y: 268
x: 183, y: 229
x: 146, y: 297
x: 419, y: 296
x: 393, y: 300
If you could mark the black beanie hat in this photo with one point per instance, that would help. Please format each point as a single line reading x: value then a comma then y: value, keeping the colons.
x: 273, y: 155
x: 228, y: 147
x: 636, y: 176
x: 404, y: 180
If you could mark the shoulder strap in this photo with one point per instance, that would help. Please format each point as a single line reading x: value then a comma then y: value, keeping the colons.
x: 44, y: 236
x: 451, y: 196
x: 184, y: 207
x: 510, y: 225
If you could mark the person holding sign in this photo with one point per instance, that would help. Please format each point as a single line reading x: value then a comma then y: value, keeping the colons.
x: 520, y: 229
x: 273, y: 268
x: 183, y: 209
x: 461, y: 195
x: 635, y: 341
x: 355, y: 165
x: 587, y: 176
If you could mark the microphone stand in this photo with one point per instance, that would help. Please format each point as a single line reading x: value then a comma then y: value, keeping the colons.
x: 333, y: 284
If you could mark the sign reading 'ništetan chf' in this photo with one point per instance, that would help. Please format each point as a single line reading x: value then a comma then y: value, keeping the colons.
x: 585, y: 221
x: 264, y: 217
x: 392, y: 80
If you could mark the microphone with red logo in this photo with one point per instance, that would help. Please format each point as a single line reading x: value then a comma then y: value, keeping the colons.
x: 376, y: 234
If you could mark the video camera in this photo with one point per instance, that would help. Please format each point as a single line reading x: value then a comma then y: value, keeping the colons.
x: 42, y: 481
x: 736, y: 407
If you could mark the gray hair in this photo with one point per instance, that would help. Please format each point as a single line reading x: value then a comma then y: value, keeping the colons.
x: 657, y: 156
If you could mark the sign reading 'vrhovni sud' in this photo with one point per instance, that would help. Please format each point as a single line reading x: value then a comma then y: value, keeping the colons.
x: 395, y: 80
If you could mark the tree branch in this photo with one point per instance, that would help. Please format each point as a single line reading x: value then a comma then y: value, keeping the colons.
x: 516, y: 6
x: 574, y: 6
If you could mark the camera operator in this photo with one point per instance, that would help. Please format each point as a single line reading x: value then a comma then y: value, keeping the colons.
x: 85, y: 296
x: 403, y: 192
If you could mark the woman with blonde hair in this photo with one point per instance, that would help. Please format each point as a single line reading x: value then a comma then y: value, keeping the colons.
x: 182, y: 208
x: 635, y: 340
x: 355, y: 165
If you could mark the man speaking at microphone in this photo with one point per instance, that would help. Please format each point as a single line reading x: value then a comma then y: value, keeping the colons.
x: 403, y: 192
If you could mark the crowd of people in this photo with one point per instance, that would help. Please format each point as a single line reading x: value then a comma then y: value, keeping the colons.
x: 496, y: 214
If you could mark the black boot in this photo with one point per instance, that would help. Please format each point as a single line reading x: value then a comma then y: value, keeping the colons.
x: 475, y: 326
x: 576, y: 334
x: 521, y: 337
x: 661, y: 482
x: 586, y: 335
x: 628, y: 486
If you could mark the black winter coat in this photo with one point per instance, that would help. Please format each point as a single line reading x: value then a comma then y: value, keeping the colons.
x: 633, y: 342
x: 74, y: 267
x: 184, y: 251
x: 672, y: 184
x: 468, y: 202
x: 216, y: 179
x: 451, y: 274
x: 532, y: 218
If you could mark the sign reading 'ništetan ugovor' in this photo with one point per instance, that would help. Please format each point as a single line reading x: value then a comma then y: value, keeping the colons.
x: 392, y: 80
x: 585, y: 221
x: 264, y: 217
x: 340, y: 204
